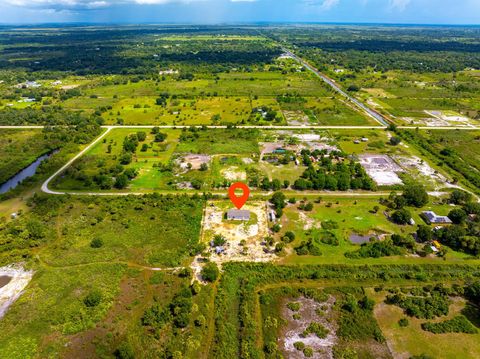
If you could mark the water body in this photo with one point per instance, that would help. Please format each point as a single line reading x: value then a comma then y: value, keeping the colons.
x: 359, y: 239
x: 4, y: 280
x: 23, y: 174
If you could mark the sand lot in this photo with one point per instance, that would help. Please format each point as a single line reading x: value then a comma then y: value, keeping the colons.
x: 252, y: 232
x: 195, y: 160
x: 382, y: 169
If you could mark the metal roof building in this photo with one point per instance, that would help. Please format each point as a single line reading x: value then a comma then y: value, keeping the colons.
x: 238, y: 215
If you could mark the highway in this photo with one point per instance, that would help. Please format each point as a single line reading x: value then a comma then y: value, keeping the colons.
x: 370, y: 112
x: 306, y: 127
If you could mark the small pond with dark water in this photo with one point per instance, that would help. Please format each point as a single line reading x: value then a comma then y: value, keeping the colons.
x: 4, y: 280
x: 360, y: 239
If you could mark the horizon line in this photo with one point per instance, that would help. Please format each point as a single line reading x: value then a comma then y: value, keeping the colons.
x: 237, y: 23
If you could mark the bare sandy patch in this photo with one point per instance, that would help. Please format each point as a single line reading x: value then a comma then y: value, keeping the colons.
x: 233, y: 173
x: 382, y: 169
x: 10, y: 292
x: 193, y: 160
x: 308, y: 313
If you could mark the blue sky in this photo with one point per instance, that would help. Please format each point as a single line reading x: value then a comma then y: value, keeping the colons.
x: 234, y: 11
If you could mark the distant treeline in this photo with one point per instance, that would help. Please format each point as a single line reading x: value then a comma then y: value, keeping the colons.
x: 392, y: 45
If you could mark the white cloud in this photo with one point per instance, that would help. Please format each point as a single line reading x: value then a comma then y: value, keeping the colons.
x: 399, y: 5
x: 87, y: 4
x: 322, y: 4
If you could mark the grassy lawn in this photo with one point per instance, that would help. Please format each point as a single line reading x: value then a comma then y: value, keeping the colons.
x: 353, y: 216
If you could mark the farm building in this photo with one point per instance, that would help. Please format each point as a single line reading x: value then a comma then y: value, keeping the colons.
x: 238, y: 215
x: 432, y: 217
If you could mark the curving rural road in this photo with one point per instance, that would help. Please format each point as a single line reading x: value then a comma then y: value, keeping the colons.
x: 66, y: 165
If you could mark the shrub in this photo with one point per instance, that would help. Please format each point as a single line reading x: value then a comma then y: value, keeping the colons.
x: 270, y: 347
x: 299, y: 346
x: 403, y: 322
x: 459, y: 324
x: 316, y: 328
x: 96, y: 243
x: 394, y: 141
x: 125, y: 351
x: 93, y: 298
x: 210, y: 272
x: 293, y: 306
x: 308, y: 207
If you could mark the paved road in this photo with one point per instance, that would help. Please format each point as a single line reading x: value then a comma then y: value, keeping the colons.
x: 270, y: 127
x: 369, y: 111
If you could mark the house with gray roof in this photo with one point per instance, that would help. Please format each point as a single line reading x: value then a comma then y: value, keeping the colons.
x: 238, y: 215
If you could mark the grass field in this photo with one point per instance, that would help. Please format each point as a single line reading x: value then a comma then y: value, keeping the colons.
x: 353, y: 216
x: 413, y: 340
x: 404, y: 94
x: 135, y: 233
x: 232, y: 95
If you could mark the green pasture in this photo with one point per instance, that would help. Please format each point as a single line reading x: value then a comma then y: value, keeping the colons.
x: 354, y: 216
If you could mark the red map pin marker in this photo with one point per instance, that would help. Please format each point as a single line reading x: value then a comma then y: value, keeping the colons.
x: 239, y: 202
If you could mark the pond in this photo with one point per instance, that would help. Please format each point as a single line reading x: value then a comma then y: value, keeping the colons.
x: 360, y: 239
x: 23, y: 174
x: 4, y: 280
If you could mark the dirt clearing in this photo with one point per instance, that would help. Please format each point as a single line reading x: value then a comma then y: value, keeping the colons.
x: 15, y: 279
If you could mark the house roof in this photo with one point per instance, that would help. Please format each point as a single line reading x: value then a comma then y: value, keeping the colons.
x: 434, y: 218
x: 238, y: 214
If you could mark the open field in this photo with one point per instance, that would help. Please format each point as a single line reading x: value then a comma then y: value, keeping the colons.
x: 413, y: 340
x: 116, y: 266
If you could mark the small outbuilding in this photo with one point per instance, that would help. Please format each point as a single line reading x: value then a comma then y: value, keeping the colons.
x: 238, y: 215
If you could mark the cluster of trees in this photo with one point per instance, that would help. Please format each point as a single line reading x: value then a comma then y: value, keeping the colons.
x: 265, y: 113
x: 114, y: 51
x: 433, y: 302
x: 413, y: 195
x: 312, y: 246
x: 177, y: 312
x: 416, y: 56
x: 376, y: 249
x: 356, y: 318
x: 333, y: 176
x: 463, y: 235
x: 458, y: 324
